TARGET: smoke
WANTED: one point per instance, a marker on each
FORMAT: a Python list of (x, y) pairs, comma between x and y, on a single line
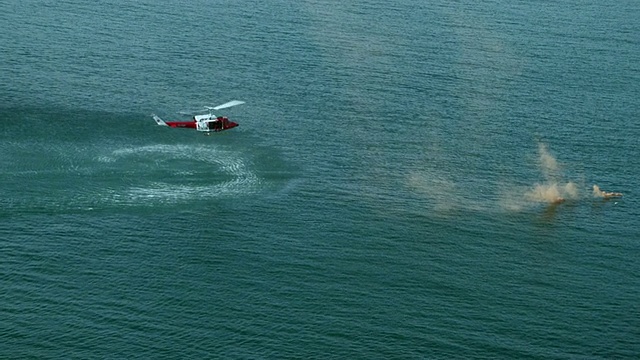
[(553, 193), (554, 190), (548, 164), (439, 189), (597, 192)]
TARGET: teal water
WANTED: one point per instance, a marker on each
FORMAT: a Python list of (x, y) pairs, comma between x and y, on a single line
[(386, 195)]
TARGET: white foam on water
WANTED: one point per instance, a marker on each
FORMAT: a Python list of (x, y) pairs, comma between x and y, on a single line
[(230, 164), (105, 159), (173, 150)]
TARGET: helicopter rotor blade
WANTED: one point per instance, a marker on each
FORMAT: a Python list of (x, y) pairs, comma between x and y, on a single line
[(191, 112), (226, 105)]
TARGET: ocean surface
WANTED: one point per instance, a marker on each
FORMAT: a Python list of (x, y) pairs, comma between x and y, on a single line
[(409, 179)]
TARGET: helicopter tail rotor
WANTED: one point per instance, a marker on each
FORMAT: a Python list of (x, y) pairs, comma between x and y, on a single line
[(158, 120)]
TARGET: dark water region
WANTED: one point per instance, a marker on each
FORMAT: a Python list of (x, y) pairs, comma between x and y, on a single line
[(407, 180)]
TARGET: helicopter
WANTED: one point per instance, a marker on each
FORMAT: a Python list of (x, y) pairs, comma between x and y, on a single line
[(206, 123)]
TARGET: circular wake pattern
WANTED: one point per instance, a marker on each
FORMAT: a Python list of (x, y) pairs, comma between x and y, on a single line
[(77, 178), (174, 173)]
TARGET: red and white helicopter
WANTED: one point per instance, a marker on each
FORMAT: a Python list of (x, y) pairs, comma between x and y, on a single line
[(206, 122)]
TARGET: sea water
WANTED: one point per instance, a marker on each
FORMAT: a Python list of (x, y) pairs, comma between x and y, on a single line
[(408, 180)]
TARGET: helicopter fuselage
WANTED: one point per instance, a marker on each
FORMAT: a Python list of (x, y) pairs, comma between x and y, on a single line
[(204, 122), (210, 124)]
